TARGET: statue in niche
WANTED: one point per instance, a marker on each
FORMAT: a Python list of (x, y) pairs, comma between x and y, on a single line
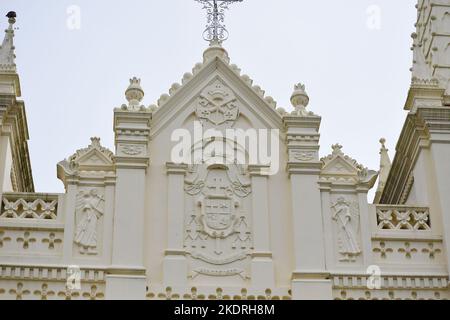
[(88, 207), (347, 218)]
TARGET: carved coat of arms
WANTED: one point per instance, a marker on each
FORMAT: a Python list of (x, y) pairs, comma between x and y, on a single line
[(218, 216), (217, 104)]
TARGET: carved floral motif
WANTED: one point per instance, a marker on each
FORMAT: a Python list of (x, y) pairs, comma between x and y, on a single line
[(300, 155), (132, 150)]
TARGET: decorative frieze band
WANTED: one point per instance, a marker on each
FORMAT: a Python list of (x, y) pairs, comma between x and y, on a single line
[(391, 282), (10, 272)]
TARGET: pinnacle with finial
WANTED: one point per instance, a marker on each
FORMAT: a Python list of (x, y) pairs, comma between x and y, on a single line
[(7, 55), (385, 169)]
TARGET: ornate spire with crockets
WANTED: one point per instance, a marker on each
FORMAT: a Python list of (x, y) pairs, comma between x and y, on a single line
[(7, 56), (216, 31)]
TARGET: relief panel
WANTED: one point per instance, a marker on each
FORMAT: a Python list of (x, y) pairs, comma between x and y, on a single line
[(218, 236)]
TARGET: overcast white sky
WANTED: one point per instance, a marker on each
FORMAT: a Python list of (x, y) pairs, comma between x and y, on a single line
[(357, 77)]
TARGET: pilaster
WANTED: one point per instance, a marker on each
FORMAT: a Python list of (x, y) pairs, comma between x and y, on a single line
[(309, 279), (132, 130), (262, 273), (175, 266), (438, 126)]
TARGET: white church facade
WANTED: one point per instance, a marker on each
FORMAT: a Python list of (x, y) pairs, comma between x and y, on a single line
[(215, 193)]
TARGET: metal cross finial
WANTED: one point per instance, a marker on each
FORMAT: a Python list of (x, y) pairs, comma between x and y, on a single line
[(215, 29)]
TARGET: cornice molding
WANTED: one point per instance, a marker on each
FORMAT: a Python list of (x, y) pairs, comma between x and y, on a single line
[(419, 131)]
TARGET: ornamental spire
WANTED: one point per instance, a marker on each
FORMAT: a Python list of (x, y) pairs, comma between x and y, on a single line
[(216, 31), (7, 56)]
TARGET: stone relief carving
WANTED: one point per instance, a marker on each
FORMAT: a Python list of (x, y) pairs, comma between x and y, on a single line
[(217, 104), (132, 150), (219, 273), (346, 216), (31, 240), (52, 240), (3, 238), (302, 155), (26, 240), (431, 251), (95, 145), (51, 290), (217, 231), (89, 211), (383, 250), (195, 293), (19, 292)]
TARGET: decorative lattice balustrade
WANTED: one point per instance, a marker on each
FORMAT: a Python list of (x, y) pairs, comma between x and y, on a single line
[(403, 236), (403, 218), (29, 206), (30, 226)]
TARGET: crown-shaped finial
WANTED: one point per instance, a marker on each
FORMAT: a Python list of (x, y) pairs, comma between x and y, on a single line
[(299, 87), (95, 142), (337, 149), (134, 95), (300, 101)]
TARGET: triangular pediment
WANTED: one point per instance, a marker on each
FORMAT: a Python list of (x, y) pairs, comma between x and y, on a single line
[(341, 169), (94, 158), (192, 90), (339, 166)]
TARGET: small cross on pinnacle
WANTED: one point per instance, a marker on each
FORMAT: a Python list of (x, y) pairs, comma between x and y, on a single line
[(216, 31)]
